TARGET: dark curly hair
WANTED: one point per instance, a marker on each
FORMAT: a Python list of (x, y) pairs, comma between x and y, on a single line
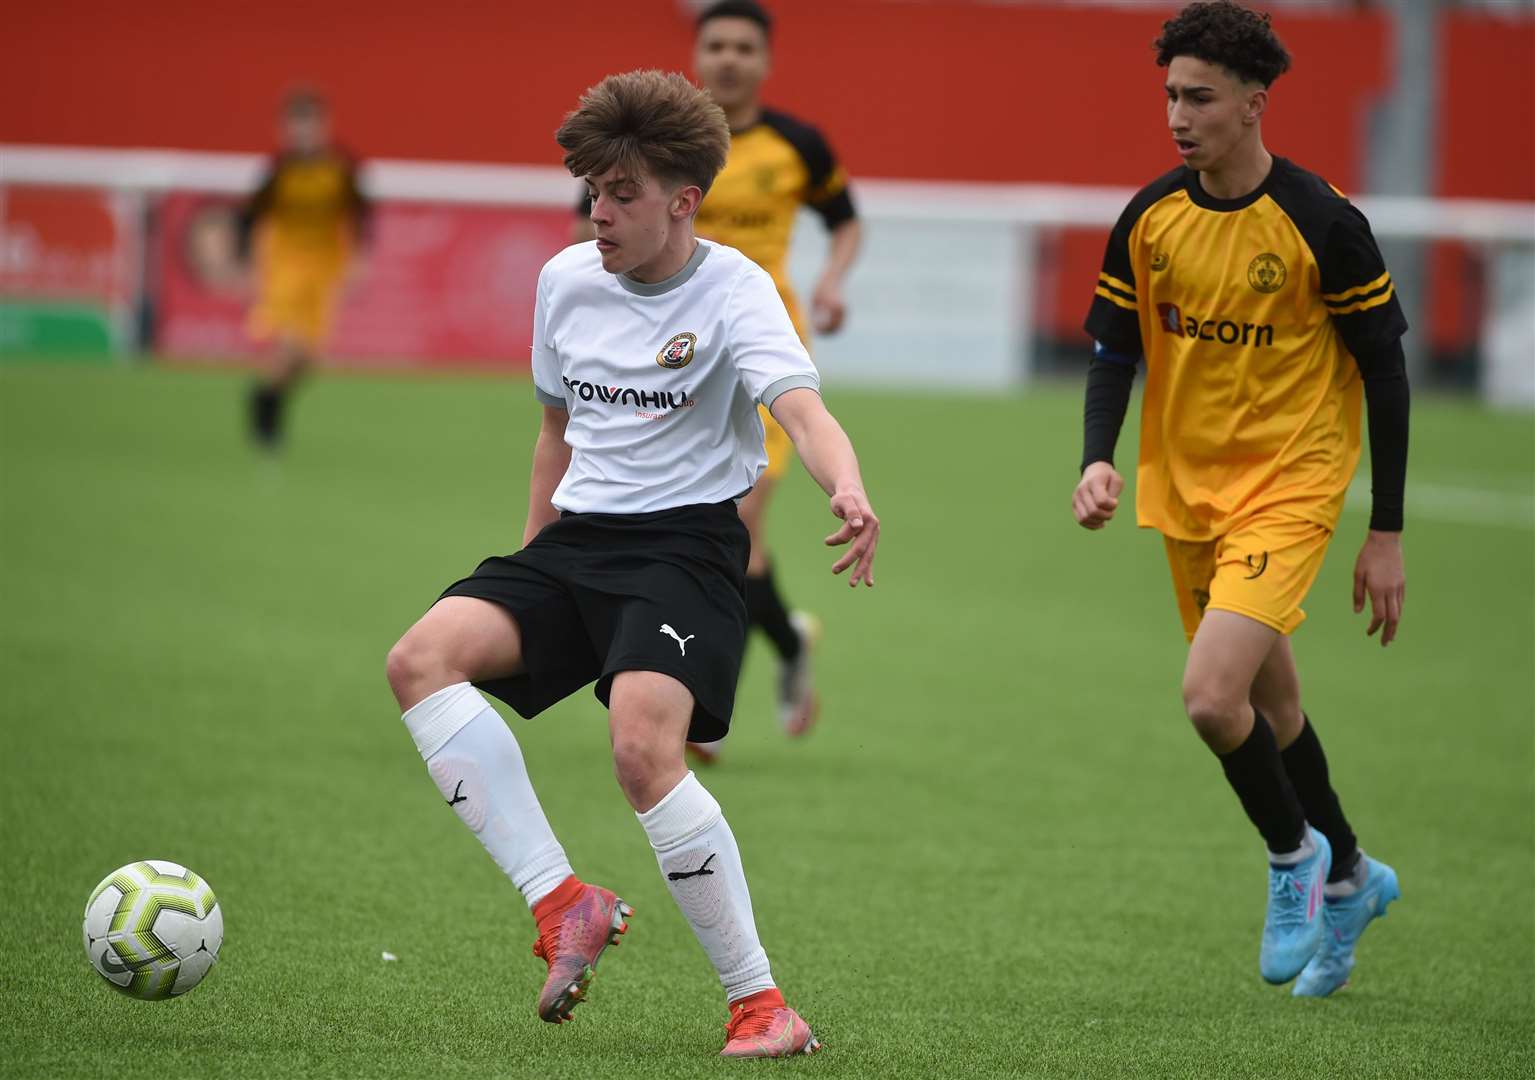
[(1221, 32)]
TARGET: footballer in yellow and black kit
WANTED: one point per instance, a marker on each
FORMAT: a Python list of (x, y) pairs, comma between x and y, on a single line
[(775, 166), (302, 229), (302, 226), (1262, 320)]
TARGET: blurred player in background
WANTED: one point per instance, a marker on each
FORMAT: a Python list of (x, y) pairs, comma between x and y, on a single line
[(302, 227), (1258, 298), (777, 164)]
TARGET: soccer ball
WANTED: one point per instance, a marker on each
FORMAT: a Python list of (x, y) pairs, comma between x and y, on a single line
[(153, 929)]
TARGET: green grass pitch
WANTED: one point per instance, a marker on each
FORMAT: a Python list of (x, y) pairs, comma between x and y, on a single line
[(1003, 853)]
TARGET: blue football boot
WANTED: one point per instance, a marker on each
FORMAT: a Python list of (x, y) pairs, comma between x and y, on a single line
[(1345, 918), (1293, 928)]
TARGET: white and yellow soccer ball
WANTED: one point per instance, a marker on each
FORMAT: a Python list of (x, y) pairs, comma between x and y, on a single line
[(153, 929)]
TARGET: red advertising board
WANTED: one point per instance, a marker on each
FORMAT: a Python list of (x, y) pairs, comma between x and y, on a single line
[(440, 285), (63, 244), (68, 264)]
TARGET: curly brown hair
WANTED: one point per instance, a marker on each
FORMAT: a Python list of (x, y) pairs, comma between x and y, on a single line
[(1225, 33), (650, 121)]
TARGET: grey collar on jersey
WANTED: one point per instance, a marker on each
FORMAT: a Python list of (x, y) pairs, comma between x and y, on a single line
[(680, 278)]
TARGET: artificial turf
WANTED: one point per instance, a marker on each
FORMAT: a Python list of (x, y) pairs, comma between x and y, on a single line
[(1002, 853)]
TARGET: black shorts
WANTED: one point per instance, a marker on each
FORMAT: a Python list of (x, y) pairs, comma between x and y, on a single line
[(597, 594)]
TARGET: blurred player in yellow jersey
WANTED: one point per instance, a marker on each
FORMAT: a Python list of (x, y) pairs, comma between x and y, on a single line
[(302, 227), (777, 164)]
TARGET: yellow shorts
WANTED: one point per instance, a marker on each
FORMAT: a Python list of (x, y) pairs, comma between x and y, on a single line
[(297, 299), (1262, 568), (780, 448)]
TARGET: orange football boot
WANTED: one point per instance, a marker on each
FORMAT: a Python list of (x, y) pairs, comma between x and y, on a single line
[(575, 923), (763, 1026)]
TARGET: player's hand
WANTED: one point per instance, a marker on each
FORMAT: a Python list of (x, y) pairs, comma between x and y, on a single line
[(861, 527), (828, 309), (1378, 573), (1097, 495)]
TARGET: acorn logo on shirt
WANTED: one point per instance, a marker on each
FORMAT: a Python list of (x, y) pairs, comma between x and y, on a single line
[(677, 352), (1175, 321)]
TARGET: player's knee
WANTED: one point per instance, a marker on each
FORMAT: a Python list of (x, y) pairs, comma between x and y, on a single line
[(1214, 713), (414, 669), (643, 753), (640, 767)]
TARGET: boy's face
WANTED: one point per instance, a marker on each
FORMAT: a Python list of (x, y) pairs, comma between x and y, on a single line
[(635, 215), (306, 131), (730, 58), (1209, 110)]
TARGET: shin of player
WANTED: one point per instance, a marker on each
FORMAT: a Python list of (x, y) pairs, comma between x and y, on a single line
[(1255, 367)]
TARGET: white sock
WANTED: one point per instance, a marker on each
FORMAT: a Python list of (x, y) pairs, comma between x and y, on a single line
[(478, 767), (702, 867)]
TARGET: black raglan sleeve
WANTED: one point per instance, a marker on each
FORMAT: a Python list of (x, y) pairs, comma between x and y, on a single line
[(1361, 298), (1114, 320), (358, 204), (1356, 286), (827, 191), (256, 207)]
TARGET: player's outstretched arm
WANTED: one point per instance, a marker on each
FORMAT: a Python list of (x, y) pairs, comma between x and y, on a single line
[(551, 457), (828, 456)]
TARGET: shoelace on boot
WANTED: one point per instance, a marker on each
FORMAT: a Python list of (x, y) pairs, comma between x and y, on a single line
[(747, 1023)]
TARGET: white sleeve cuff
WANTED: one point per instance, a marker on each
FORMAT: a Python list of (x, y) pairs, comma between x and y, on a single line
[(556, 401)]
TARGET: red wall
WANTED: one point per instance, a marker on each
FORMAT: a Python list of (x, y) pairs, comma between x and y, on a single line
[(1486, 149), (932, 89), (922, 89)]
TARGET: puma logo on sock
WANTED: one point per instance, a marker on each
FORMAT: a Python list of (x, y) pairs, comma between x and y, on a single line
[(700, 872)]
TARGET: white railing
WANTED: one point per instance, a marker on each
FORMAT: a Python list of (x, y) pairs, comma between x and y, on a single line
[(945, 290)]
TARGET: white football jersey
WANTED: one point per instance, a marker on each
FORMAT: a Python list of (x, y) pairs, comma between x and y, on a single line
[(662, 381)]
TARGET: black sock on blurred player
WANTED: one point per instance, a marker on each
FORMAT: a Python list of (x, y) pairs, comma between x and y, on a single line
[(1257, 774), (1306, 765), (266, 405), (764, 608)]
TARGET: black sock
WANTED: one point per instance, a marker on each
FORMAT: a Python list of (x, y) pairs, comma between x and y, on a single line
[(1257, 774), (765, 608), (266, 405), (1307, 768)]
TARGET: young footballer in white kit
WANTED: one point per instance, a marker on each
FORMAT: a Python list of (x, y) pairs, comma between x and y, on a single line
[(651, 352)]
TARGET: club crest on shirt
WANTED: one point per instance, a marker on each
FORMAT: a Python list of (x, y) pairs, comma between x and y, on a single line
[(1159, 260), (1266, 273), (678, 351)]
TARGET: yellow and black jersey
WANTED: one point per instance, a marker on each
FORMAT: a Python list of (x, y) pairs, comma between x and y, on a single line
[(309, 206), (1247, 312)]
